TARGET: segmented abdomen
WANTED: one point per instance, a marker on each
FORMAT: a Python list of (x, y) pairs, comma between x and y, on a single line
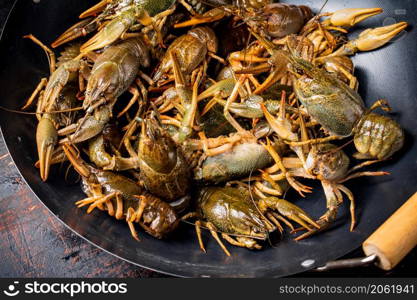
[(378, 136)]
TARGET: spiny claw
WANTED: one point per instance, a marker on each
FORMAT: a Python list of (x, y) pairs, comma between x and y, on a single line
[(46, 139), (288, 210), (352, 16), (80, 29), (282, 127), (374, 38), (213, 15), (57, 81), (58, 156), (74, 157), (333, 201), (89, 126), (110, 33), (96, 9), (371, 39), (222, 89)]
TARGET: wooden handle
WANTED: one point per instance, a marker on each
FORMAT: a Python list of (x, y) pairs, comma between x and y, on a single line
[(396, 237)]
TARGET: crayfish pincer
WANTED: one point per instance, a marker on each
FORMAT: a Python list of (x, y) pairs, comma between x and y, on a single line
[(240, 219), (123, 199), (163, 167)]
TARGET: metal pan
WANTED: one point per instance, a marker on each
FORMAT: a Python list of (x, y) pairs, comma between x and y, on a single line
[(389, 72)]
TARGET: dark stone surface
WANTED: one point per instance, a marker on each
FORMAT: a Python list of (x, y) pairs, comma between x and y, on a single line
[(33, 243)]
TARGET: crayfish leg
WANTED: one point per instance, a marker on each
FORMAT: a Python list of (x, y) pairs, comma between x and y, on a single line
[(46, 139), (232, 98), (49, 53), (197, 226), (210, 226), (119, 207), (86, 201), (213, 231), (285, 221), (42, 84), (141, 208), (199, 236), (274, 220), (102, 201), (315, 141), (135, 96), (130, 216), (232, 241)]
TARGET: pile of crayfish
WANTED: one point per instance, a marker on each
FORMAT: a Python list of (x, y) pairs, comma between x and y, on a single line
[(208, 112)]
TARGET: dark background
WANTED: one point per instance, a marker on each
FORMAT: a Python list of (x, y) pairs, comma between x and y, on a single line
[(33, 243)]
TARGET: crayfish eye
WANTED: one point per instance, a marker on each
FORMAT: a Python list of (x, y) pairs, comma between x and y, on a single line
[(111, 88)]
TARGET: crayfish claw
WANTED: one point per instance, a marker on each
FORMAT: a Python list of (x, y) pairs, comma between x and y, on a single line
[(295, 213), (110, 33), (352, 16), (46, 140), (89, 126), (78, 30), (323, 224), (96, 9), (375, 38), (371, 39), (213, 15), (289, 211)]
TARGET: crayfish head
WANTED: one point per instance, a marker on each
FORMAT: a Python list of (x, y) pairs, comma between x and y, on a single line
[(104, 83), (156, 147), (232, 212), (249, 223)]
